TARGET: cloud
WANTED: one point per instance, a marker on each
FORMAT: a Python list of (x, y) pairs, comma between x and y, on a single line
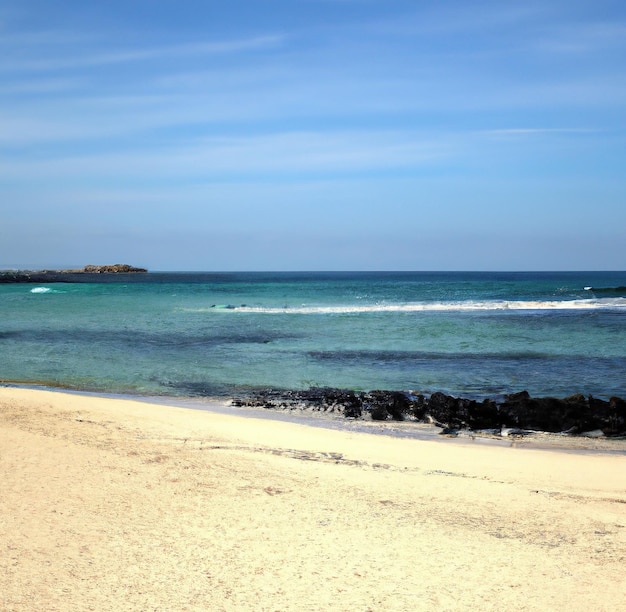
[(300, 156), (285, 153), (85, 60), (580, 38), (350, 81), (247, 101), (457, 18), (40, 86), (536, 131), (42, 38)]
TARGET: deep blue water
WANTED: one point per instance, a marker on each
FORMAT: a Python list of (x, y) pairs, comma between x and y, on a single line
[(189, 334)]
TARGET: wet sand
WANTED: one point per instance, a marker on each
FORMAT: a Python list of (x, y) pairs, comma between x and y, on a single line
[(114, 504)]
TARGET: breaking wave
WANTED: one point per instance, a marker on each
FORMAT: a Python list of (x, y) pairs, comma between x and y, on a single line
[(618, 304), (614, 290)]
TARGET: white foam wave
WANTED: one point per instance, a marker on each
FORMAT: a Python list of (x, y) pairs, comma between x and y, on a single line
[(469, 306), (41, 290)]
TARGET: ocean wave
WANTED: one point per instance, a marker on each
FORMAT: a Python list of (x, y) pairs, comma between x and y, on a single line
[(621, 289), (42, 290), (618, 304)]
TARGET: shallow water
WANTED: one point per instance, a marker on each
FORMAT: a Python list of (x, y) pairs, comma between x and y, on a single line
[(190, 334)]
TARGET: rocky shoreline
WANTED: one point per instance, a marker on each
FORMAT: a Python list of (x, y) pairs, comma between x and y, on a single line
[(86, 274), (515, 414)]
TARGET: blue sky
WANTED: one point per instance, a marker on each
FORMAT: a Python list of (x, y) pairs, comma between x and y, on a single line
[(313, 134)]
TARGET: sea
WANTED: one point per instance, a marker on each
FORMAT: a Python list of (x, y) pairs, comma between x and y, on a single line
[(220, 335)]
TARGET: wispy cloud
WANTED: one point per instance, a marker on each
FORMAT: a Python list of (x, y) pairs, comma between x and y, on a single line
[(173, 108), (40, 86), (144, 53), (454, 19), (24, 39), (537, 131), (300, 155), (579, 38), (278, 154)]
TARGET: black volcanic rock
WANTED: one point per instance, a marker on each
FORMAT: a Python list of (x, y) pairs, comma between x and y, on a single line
[(542, 414), (385, 404), (379, 413), (609, 416), (575, 414)]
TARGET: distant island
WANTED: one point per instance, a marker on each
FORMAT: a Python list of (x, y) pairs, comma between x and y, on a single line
[(70, 275), (112, 269)]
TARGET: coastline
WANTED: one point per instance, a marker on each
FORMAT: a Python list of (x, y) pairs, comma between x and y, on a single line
[(288, 406), (333, 418), (124, 504)]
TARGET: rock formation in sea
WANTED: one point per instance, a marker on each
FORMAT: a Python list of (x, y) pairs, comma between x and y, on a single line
[(85, 274), (112, 269)]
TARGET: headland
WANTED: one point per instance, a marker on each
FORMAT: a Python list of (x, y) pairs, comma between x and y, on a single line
[(88, 273)]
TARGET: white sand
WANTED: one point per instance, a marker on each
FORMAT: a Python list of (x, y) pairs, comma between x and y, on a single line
[(122, 505)]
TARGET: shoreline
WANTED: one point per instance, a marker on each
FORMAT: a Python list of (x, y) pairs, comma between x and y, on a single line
[(123, 504), (408, 429)]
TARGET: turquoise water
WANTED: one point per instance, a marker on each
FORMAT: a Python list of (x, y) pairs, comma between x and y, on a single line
[(471, 334)]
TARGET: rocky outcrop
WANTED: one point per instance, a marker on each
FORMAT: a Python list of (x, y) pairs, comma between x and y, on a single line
[(574, 415), (112, 269), (461, 413), (87, 274)]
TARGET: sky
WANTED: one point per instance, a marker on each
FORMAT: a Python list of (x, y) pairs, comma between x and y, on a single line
[(313, 134)]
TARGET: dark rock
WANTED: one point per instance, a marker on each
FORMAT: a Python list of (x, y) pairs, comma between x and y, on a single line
[(519, 412), (573, 414), (542, 414), (400, 406), (418, 406), (396, 404), (609, 416), (352, 407), (448, 411), (617, 418), (379, 413), (462, 413), (441, 407), (483, 415), (517, 397)]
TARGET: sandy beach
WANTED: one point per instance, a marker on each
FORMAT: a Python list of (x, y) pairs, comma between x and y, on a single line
[(113, 504)]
